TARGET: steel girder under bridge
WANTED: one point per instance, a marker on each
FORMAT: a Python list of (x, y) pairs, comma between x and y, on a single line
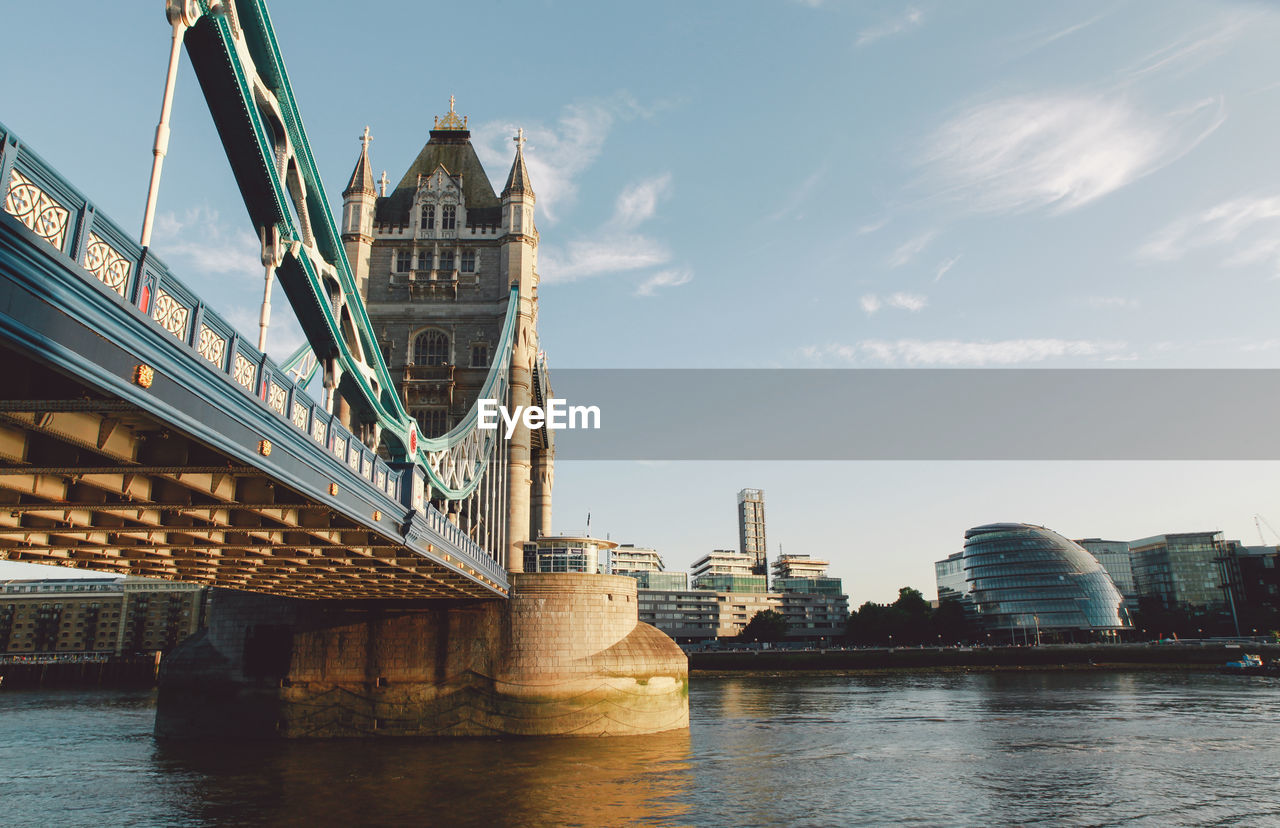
[(140, 433)]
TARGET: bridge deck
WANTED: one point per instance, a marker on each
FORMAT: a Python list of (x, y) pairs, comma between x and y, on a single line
[(126, 445)]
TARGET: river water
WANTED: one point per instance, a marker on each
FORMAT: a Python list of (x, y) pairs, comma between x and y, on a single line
[(985, 749)]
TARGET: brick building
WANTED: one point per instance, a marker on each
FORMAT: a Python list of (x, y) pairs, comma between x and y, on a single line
[(115, 616)]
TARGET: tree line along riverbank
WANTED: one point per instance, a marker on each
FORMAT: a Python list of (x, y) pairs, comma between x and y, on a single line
[(1191, 656)]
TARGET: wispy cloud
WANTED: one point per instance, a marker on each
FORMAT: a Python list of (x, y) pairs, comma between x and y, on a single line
[(953, 353), (792, 207), (199, 240), (1034, 41), (872, 227), (908, 250), (1242, 231), (907, 301), (902, 301), (944, 266), (664, 279), (1195, 47), (1058, 151), (557, 154), (638, 202), (617, 245), (904, 22), (585, 258)]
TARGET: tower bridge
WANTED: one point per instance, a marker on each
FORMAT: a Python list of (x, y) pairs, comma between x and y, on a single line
[(370, 543)]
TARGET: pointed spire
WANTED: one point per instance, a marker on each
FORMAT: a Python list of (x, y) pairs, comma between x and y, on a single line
[(362, 176), (518, 179)]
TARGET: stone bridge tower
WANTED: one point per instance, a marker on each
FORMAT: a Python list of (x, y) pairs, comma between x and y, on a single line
[(435, 259)]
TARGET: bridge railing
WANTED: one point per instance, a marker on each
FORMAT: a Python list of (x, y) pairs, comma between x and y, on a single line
[(462, 545), (65, 224)]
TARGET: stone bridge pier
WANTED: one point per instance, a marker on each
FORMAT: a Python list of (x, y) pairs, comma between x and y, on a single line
[(565, 655)]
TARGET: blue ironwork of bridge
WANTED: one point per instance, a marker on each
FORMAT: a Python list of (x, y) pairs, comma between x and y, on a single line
[(141, 433)]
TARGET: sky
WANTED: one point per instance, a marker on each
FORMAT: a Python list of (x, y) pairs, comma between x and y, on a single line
[(783, 184)]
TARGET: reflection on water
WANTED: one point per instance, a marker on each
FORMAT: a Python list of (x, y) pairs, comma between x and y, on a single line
[(1075, 749), (465, 782)]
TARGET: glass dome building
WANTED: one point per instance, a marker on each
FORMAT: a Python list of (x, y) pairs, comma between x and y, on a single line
[(1029, 581)]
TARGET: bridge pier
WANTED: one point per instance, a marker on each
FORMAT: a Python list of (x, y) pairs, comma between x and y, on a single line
[(565, 655)]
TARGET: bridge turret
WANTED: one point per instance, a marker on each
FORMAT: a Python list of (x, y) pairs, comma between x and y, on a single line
[(358, 201), (520, 264)]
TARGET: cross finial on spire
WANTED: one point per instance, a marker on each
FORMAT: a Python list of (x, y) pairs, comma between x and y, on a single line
[(450, 119), (365, 138), (519, 139)]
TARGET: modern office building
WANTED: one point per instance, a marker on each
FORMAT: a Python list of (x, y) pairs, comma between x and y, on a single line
[(724, 570), (1181, 571), (751, 536), (569, 553), (105, 615), (800, 566), (802, 574), (629, 558), (1253, 576), (814, 603), (646, 566), (949, 573), (1114, 557), (660, 580), (697, 615), (1029, 583), (726, 595)]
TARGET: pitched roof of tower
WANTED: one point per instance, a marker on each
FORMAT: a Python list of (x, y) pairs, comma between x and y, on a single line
[(449, 146), (518, 178), (362, 176)]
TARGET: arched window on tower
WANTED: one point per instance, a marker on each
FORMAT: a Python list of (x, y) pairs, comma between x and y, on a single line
[(428, 216), (431, 348), (448, 217), (468, 261)]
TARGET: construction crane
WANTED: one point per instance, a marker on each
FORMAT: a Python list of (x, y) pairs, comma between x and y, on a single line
[(1259, 521)]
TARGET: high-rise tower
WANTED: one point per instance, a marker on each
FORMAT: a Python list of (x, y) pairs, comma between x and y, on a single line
[(751, 537)]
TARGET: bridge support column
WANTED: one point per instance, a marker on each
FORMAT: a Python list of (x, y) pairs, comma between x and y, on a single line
[(518, 470), (544, 472), (564, 656)]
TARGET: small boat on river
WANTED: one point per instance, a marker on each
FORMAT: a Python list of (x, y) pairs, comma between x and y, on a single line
[(1250, 665)]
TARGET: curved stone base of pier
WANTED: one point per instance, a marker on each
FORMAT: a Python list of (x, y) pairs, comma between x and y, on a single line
[(565, 655)]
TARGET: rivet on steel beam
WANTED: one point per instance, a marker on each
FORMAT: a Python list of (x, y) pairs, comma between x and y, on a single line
[(377, 514), (333, 488), (144, 375), (264, 448)]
